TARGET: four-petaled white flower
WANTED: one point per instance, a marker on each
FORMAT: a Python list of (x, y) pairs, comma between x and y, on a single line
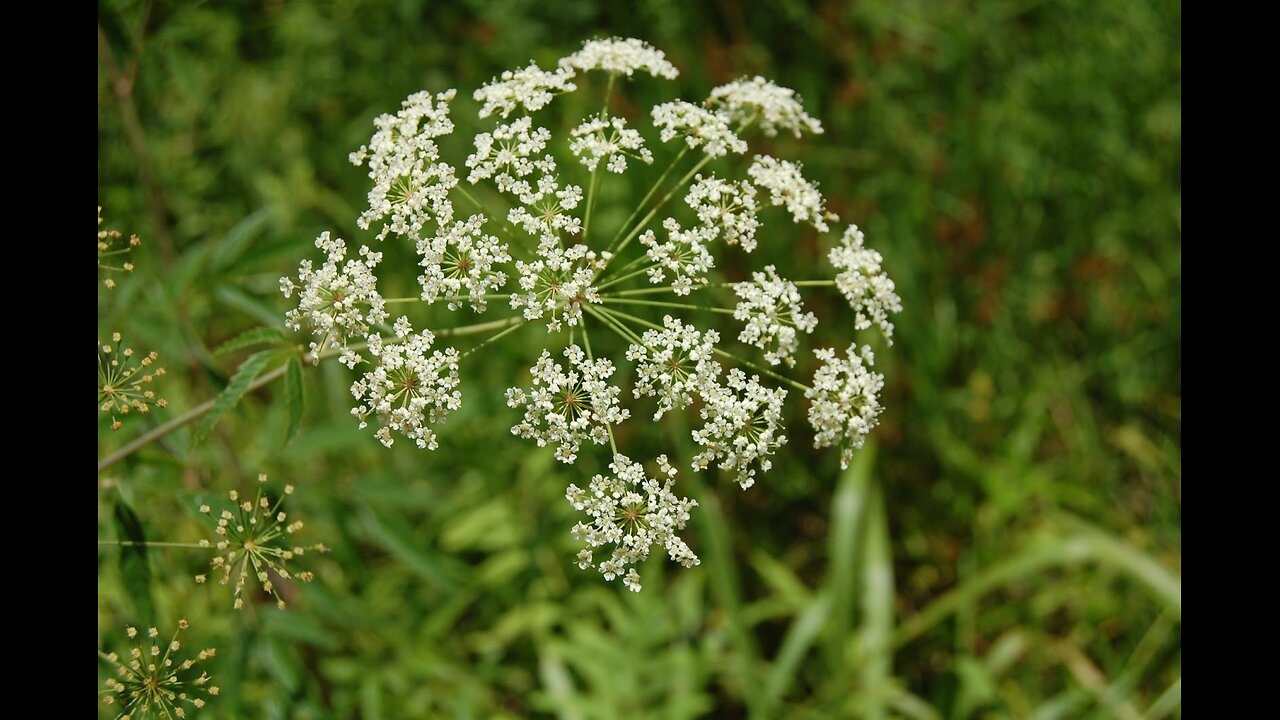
[(762, 101), (743, 427), (675, 364), (788, 187), (844, 400), (564, 408), (632, 512), (410, 388), (863, 282), (771, 308)]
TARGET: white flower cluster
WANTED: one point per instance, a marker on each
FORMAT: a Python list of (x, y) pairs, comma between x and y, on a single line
[(675, 364), (727, 207), (759, 100), (700, 128), (530, 89), (556, 285), (339, 300), (610, 140), (743, 426), (410, 183), (863, 282), (771, 308), (632, 512), (844, 400), (547, 209), (685, 255), (566, 407), (410, 388), (621, 56), (788, 187), (508, 153), (461, 263)]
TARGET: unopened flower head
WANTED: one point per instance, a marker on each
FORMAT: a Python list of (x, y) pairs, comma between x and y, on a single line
[(774, 315), (337, 301), (764, 102), (863, 282), (787, 187), (844, 400), (675, 364), (726, 207), (742, 428), (154, 679), (529, 89), (699, 127), (610, 140), (410, 388), (621, 56), (113, 252), (410, 184), (631, 512), (564, 408), (461, 263), (254, 539), (125, 379)]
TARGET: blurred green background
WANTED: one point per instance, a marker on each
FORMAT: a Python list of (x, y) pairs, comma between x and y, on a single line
[(1010, 546)]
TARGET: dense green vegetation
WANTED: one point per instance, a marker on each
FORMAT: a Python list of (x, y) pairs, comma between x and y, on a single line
[(1010, 546)]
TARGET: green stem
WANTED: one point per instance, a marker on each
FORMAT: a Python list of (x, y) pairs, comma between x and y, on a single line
[(659, 303), (625, 268), (619, 279), (200, 410), (131, 543), (493, 339), (622, 330), (591, 201), (635, 231), (729, 356), (661, 178), (586, 341)]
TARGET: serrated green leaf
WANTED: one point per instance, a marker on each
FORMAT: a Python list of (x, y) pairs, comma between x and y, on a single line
[(250, 338), (135, 571), (295, 397), (251, 368)]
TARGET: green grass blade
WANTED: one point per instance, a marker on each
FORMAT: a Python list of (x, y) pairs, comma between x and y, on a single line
[(799, 639), (877, 609)]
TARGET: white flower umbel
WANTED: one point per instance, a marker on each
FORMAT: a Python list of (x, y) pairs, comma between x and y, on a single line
[(621, 56), (410, 388), (556, 286), (863, 282), (762, 101), (727, 207), (564, 408), (699, 127), (339, 300), (632, 512), (787, 187), (410, 184), (770, 306), (844, 400), (529, 89), (610, 140), (675, 364), (742, 427), (509, 152), (684, 255), (547, 209), (459, 264)]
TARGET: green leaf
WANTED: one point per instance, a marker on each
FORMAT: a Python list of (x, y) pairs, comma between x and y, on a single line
[(295, 397), (251, 368), (250, 338), (135, 571)]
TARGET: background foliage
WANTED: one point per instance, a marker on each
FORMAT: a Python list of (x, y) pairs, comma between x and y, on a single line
[(1010, 548)]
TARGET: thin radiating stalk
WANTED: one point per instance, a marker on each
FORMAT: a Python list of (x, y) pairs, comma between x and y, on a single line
[(200, 410), (586, 342), (628, 276), (635, 231), (627, 223), (659, 303)]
